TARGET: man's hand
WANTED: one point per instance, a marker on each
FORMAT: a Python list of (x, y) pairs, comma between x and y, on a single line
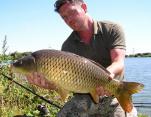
[(102, 92), (39, 80)]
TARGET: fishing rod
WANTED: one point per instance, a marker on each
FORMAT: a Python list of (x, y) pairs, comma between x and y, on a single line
[(41, 97), (142, 105)]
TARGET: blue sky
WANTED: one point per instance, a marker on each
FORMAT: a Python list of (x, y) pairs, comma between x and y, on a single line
[(32, 24)]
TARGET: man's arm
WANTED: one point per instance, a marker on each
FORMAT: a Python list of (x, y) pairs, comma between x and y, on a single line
[(117, 66)]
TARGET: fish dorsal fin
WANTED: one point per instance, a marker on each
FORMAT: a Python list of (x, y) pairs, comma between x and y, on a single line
[(96, 63), (78, 56), (99, 65)]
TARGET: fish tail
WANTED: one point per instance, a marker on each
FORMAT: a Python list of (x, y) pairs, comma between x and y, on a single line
[(124, 93)]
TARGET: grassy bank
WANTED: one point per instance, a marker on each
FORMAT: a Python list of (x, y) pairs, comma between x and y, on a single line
[(15, 100)]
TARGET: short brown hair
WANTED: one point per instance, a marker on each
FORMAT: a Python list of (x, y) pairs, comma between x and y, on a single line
[(59, 3)]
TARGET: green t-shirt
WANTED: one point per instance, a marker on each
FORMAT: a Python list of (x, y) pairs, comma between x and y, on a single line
[(107, 35)]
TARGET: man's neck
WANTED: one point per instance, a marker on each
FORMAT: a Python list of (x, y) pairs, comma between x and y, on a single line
[(86, 35)]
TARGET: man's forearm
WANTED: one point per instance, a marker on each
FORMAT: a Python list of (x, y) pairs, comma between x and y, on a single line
[(116, 68)]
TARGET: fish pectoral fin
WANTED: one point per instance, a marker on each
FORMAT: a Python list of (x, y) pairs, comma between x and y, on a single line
[(95, 96), (63, 93), (124, 94)]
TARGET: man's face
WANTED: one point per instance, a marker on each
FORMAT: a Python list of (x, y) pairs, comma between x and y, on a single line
[(74, 16)]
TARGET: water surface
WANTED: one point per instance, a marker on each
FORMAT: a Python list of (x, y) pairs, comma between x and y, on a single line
[(139, 70)]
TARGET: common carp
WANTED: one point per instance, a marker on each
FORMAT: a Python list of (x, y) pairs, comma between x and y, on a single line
[(71, 72)]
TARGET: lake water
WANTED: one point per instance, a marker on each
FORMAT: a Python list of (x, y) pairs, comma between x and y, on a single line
[(139, 70)]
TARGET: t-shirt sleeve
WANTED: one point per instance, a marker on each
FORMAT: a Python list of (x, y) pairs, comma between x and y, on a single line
[(117, 37)]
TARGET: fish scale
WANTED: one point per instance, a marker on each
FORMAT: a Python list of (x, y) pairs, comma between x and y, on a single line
[(74, 72)]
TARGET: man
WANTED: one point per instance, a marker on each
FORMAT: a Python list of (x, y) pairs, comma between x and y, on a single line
[(102, 42)]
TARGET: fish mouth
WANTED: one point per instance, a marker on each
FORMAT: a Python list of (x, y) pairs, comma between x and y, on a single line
[(14, 72)]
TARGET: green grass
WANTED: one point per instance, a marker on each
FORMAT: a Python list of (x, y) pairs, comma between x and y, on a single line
[(142, 115)]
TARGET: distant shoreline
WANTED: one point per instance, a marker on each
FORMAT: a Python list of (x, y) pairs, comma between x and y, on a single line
[(17, 55), (139, 55)]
